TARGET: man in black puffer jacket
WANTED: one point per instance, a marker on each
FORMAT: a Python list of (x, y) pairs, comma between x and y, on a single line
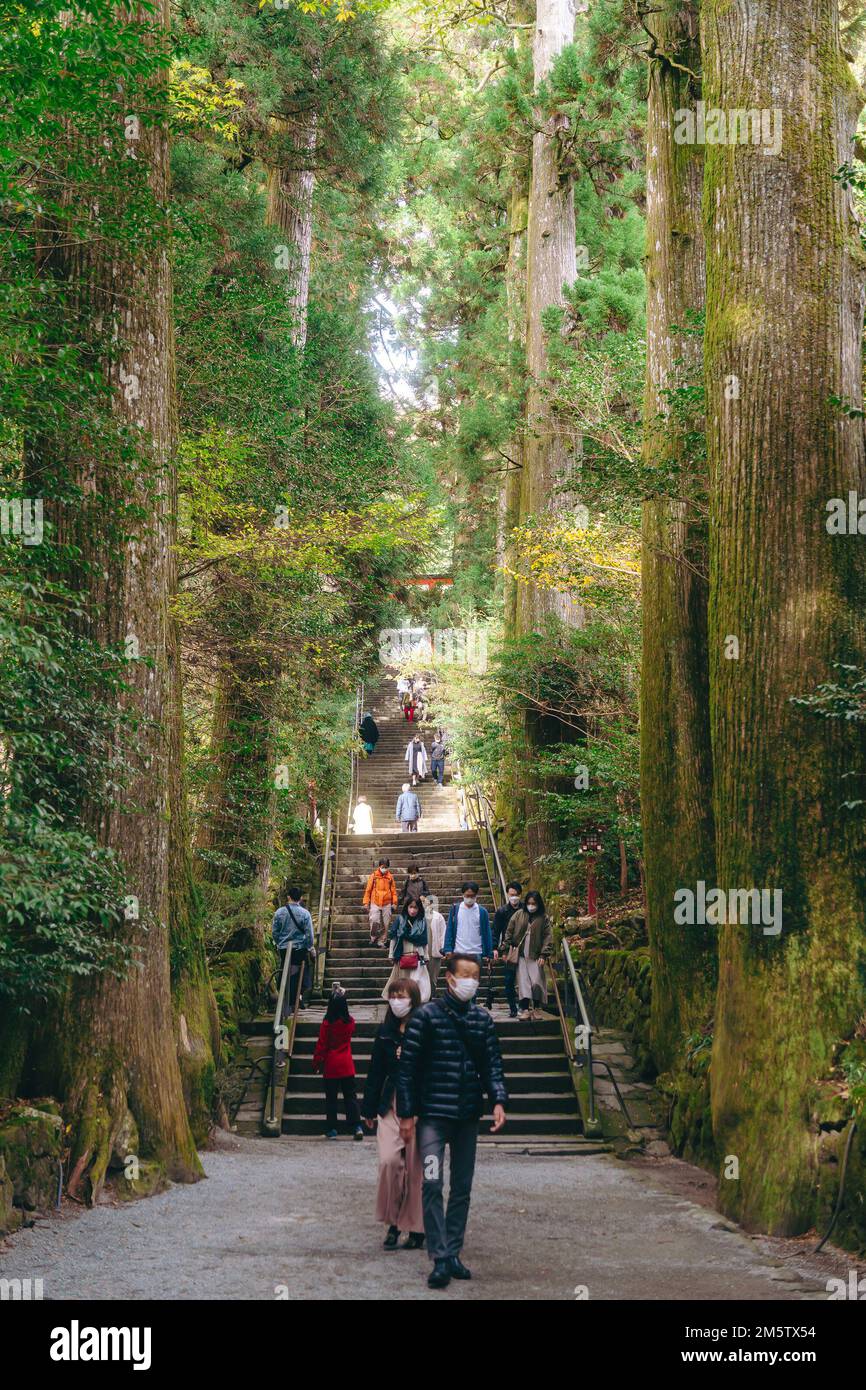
[(450, 1056)]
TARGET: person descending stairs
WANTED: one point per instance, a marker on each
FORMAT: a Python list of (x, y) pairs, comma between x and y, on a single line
[(542, 1096)]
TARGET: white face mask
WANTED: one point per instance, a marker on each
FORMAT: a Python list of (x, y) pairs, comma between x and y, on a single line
[(469, 902), (465, 988), (513, 899), (531, 907), (400, 1007)]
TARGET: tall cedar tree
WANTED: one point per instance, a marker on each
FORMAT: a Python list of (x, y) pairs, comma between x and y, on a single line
[(108, 1051), (676, 767), (785, 293)]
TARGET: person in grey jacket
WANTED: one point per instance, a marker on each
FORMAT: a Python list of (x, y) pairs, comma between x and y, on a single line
[(293, 925), (438, 754), (408, 808)]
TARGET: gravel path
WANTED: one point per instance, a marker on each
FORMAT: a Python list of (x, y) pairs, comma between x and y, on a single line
[(297, 1213)]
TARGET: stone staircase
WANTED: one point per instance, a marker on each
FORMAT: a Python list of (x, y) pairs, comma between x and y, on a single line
[(542, 1100), (382, 774), (543, 1103), (446, 858)]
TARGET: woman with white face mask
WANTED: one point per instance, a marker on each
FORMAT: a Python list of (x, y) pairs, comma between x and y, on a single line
[(501, 918), (527, 943), (398, 1197), (407, 936)]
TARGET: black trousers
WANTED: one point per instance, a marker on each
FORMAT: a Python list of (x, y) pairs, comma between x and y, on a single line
[(350, 1100), (445, 1229), (300, 970), (510, 980)]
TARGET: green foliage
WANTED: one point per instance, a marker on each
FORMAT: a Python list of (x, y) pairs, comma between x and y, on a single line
[(297, 514), (844, 700), (68, 184)]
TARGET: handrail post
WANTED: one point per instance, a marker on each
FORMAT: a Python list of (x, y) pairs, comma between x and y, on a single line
[(271, 1118), (581, 1010)]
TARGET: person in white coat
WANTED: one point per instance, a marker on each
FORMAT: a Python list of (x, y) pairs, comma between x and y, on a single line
[(416, 757), (435, 937), (362, 817)]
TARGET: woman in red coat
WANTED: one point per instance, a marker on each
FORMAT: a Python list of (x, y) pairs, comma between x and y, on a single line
[(333, 1057)]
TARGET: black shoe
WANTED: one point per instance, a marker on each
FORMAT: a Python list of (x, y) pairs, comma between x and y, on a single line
[(359, 1132), (440, 1275), (414, 1241), (459, 1270), (390, 1241)]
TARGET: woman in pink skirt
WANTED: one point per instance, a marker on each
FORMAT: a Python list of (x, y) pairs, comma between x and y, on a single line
[(398, 1199)]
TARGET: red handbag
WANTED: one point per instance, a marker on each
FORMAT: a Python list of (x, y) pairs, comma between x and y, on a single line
[(410, 961)]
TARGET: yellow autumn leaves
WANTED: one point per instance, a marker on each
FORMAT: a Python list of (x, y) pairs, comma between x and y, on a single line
[(197, 100), (568, 553)]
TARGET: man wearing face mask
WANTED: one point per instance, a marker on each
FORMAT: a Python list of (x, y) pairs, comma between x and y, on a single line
[(449, 1059), (468, 931), (501, 919)]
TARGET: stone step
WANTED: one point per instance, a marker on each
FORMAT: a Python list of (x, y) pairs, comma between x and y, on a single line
[(521, 1104), (536, 1124), (519, 1083), (527, 1049), (507, 1030), (516, 1065)]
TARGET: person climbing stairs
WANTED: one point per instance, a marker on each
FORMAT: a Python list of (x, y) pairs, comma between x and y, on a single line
[(543, 1102)]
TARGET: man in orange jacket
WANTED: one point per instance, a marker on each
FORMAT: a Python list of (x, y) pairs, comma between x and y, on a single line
[(380, 896)]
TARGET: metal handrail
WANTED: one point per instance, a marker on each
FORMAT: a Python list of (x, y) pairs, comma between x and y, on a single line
[(479, 805), (354, 779), (270, 1124), (326, 867), (326, 911), (586, 1028), (474, 807), (567, 1039), (484, 805)]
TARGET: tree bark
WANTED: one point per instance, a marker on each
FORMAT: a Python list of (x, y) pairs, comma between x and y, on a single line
[(551, 262), (676, 766), (785, 293), (239, 822), (515, 288), (197, 1031), (108, 1053), (290, 211)]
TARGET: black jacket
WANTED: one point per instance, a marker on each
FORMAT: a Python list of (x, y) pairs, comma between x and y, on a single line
[(384, 1065), (501, 917), (442, 1076), (368, 729)]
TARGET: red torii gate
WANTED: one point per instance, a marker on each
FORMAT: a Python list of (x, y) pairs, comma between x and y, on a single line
[(430, 581)]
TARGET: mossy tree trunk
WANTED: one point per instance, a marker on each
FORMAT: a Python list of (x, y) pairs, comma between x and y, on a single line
[(108, 1050), (195, 1012), (551, 262), (515, 289), (785, 293), (237, 830), (676, 769), (548, 454)]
